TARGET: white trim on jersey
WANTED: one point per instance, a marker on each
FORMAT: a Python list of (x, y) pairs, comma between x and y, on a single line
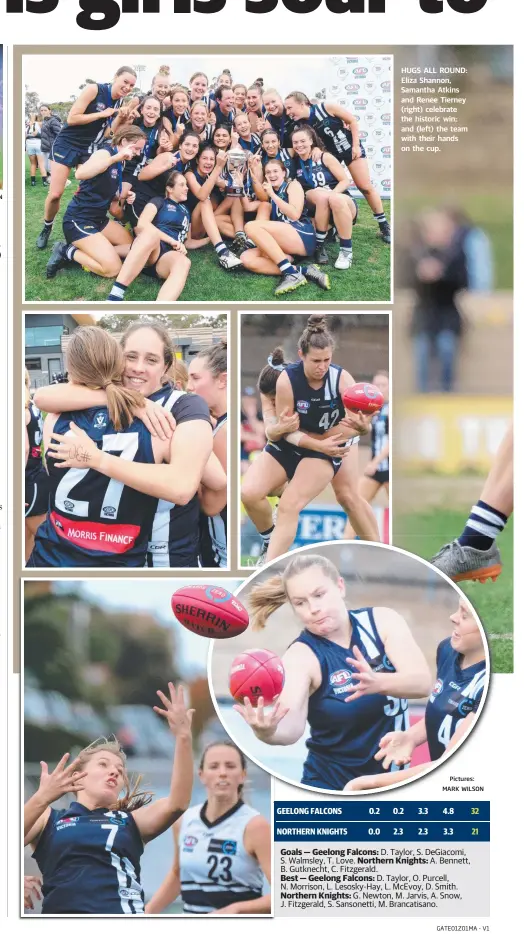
[(331, 384), (475, 686), (366, 633), (160, 531)]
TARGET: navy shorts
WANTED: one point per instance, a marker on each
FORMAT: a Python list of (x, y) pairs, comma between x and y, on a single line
[(347, 158), (307, 235), (37, 494), (381, 476), (151, 270), (286, 455), (80, 229), (64, 153)]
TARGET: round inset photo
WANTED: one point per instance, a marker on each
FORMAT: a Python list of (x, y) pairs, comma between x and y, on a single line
[(362, 667)]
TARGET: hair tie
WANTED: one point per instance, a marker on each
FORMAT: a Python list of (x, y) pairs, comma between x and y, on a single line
[(276, 366)]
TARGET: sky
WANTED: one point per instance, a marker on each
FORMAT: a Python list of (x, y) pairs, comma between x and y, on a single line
[(154, 596), (56, 78)]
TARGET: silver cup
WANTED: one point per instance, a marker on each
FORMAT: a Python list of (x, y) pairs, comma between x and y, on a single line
[(236, 166)]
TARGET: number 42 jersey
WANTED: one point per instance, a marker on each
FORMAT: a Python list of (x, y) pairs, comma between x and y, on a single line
[(318, 409), (215, 867), (92, 519)]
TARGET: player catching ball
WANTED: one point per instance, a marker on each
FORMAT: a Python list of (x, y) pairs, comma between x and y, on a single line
[(348, 675), (451, 710), (212, 877), (89, 852)]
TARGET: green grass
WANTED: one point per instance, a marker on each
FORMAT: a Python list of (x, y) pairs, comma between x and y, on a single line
[(367, 281), (424, 533)]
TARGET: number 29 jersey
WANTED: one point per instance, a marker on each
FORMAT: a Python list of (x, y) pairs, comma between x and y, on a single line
[(215, 867), (318, 409), (90, 862), (92, 519), (457, 692)]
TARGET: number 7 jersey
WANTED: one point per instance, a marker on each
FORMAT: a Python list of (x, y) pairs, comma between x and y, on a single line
[(215, 867), (93, 520)]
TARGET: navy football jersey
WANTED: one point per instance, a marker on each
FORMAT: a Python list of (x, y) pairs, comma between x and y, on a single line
[(172, 218), (90, 862), (337, 138), (225, 120), (345, 737), (94, 520), (251, 145), (213, 529), (89, 135), (457, 692), (379, 435), (283, 125), (35, 431), (313, 174), (174, 540), (278, 215), (318, 409), (282, 156), (94, 195), (135, 165)]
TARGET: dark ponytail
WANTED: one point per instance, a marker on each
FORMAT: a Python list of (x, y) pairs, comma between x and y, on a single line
[(315, 335)]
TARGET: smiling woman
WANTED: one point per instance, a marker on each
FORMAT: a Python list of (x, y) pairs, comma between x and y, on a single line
[(102, 832)]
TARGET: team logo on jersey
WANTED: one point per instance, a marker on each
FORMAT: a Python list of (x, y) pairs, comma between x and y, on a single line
[(229, 847), (69, 505), (387, 664), (465, 706), (438, 688), (66, 822), (109, 511), (100, 106), (340, 681), (100, 420), (189, 842), (114, 173), (303, 406)]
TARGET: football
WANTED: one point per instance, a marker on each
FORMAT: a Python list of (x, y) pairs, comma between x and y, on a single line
[(363, 397), (256, 673), (210, 611)]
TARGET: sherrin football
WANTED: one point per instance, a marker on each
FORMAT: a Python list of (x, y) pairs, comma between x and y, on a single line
[(256, 673), (363, 397), (209, 611)]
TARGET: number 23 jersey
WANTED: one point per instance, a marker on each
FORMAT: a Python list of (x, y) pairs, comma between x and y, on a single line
[(215, 867), (93, 519)]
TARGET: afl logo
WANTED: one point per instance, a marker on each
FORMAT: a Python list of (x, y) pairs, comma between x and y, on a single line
[(360, 72), (360, 102), (438, 688), (386, 87), (386, 184), (340, 678), (303, 406), (352, 88), (190, 841), (363, 134), (386, 118), (386, 152), (218, 594)]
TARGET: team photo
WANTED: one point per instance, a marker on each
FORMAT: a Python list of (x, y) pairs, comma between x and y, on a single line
[(154, 182), (314, 431), (128, 468)]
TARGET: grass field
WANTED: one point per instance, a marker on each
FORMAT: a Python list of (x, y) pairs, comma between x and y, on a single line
[(367, 281), (424, 533)]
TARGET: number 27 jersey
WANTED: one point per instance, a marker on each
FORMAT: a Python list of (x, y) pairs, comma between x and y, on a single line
[(92, 519)]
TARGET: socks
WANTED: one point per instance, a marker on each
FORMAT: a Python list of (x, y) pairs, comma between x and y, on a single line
[(33, 181), (380, 219), (482, 527), (287, 269), (320, 236), (48, 224), (265, 536), (346, 246), (220, 248), (117, 293), (70, 252)]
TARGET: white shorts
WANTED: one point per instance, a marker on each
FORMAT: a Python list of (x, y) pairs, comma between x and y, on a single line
[(33, 147)]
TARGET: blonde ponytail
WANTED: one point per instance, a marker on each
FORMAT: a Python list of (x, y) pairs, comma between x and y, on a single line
[(266, 598)]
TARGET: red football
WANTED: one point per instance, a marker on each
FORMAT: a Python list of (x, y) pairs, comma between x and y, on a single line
[(363, 397), (256, 673), (210, 611)]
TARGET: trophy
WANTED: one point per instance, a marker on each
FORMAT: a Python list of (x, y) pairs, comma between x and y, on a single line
[(236, 166)]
